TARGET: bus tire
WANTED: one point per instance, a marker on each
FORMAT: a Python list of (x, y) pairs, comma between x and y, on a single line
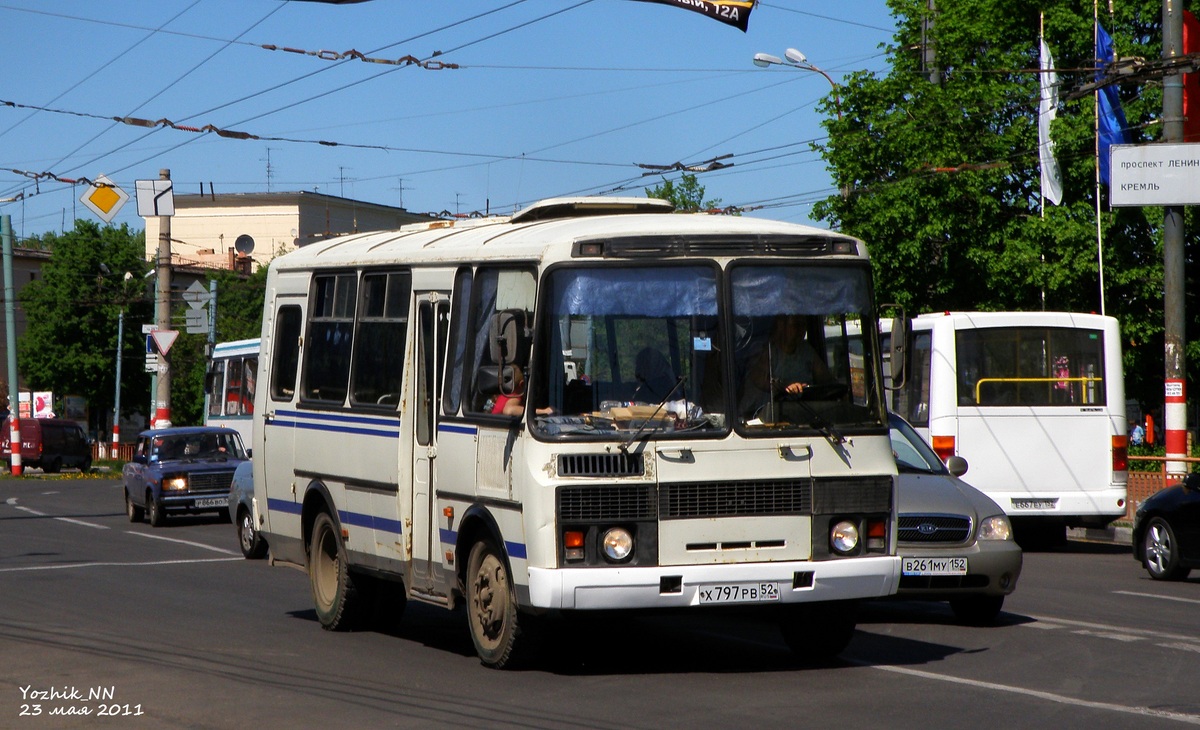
[(335, 595), (491, 606), (817, 632)]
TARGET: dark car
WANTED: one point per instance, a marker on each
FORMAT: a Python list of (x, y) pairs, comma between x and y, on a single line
[(1166, 531), (49, 443), (181, 470), (243, 513), (955, 543)]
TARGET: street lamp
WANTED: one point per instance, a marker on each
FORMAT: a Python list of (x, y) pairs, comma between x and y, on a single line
[(796, 59)]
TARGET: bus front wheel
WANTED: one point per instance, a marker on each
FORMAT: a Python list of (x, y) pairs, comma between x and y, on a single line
[(491, 606)]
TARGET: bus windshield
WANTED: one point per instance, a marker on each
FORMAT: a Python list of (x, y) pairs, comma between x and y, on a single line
[(655, 349)]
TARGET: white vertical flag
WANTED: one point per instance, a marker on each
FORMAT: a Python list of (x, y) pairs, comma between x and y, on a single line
[(1047, 111)]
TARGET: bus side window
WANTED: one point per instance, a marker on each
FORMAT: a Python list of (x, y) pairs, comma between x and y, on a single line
[(501, 316), (455, 372), (379, 339), (326, 372), (285, 352), (215, 387)]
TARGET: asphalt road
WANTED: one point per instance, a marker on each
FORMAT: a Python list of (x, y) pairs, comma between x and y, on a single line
[(124, 625)]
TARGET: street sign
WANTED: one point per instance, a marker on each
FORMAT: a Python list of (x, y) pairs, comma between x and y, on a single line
[(154, 197), (164, 339), (196, 322), (1155, 174), (151, 362), (196, 295), (104, 198)]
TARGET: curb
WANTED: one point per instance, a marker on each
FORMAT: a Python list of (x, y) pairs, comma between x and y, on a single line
[(1116, 535)]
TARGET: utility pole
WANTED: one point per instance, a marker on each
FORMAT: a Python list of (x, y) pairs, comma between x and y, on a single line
[(1175, 382), (162, 316), (14, 392)]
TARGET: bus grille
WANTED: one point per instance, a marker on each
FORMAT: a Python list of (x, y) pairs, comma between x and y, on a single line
[(933, 528), (600, 465), (735, 499), (838, 495), (210, 481), (608, 502)]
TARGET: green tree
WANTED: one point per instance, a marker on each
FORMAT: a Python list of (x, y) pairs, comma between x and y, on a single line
[(72, 311), (687, 195), (943, 175)]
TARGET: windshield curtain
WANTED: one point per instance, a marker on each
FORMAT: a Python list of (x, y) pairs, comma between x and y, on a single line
[(630, 348), (796, 343)]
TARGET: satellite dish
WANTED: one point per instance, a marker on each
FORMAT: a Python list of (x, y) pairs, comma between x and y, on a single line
[(244, 245)]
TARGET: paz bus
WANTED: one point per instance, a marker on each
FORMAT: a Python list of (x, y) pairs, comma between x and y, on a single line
[(545, 414), (229, 386), (1035, 402)]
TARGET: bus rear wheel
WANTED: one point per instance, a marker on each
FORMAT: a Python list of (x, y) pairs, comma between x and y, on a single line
[(491, 606), (817, 632), (335, 595)]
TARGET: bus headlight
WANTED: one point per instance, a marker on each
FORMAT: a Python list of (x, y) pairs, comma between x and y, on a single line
[(617, 544), (843, 538), (995, 528)]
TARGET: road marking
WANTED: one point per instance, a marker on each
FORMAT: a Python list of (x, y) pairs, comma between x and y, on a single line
[(183, 542), (118, 565), (1148, 633), (1040, 694), (1152, 595), (12, 502)]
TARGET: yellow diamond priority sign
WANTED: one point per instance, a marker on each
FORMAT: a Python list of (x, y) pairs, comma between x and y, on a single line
[(104, 198)]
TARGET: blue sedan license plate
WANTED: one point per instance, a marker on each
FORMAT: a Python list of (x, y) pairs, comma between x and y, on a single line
[(739, 593), (212, 502), (934, 566)]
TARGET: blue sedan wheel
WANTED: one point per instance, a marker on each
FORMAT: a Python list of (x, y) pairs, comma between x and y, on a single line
[(1161, 552)]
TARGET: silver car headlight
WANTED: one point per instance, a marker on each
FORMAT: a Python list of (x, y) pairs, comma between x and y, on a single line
[(995, 528)]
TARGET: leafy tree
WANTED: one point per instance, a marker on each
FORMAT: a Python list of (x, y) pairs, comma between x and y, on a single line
[(687, 196), (72, 310), (69, 345), (943, 175)]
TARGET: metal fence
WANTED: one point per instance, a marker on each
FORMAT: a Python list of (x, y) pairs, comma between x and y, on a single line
[(1142, 484)]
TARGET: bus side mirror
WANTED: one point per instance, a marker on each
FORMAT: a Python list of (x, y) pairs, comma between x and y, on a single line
[(898, 354)]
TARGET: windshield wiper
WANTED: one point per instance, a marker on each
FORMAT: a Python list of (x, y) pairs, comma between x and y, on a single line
[(624, 447), (817, 421)]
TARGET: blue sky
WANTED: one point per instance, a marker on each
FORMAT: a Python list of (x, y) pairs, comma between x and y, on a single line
[(549, 98)]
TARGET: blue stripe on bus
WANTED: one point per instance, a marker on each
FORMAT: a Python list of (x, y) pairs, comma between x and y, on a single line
[(358, 425), (514, 549), (450, 428), (282, 505), (357, 519)]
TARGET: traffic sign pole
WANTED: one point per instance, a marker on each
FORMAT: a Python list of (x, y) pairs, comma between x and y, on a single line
[(162, 318)]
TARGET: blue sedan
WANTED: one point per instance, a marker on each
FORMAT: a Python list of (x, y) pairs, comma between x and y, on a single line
[(181, 471)]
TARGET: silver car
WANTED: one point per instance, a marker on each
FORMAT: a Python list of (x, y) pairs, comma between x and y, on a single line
[(241, 511), (955, 543)]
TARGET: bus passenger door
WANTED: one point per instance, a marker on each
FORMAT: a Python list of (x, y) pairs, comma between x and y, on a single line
[(274, 433), (432, 318)]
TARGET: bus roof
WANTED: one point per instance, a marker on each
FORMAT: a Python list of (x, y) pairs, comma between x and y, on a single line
[(547, 229)]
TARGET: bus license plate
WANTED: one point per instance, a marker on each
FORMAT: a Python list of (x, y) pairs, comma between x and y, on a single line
[(934, 566), (212, 502), (739, 593)]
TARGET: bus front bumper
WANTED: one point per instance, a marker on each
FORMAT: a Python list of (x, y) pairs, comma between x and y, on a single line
[(679, 586)]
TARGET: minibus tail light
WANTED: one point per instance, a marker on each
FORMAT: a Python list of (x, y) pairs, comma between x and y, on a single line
[(944, 446), (1120, 453)]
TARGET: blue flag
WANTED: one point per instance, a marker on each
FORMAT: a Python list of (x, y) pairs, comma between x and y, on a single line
[(1110, 118)]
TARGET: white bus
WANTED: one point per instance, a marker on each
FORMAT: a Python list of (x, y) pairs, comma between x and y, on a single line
[(1035, 402), (229, 386), (631, 473)]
